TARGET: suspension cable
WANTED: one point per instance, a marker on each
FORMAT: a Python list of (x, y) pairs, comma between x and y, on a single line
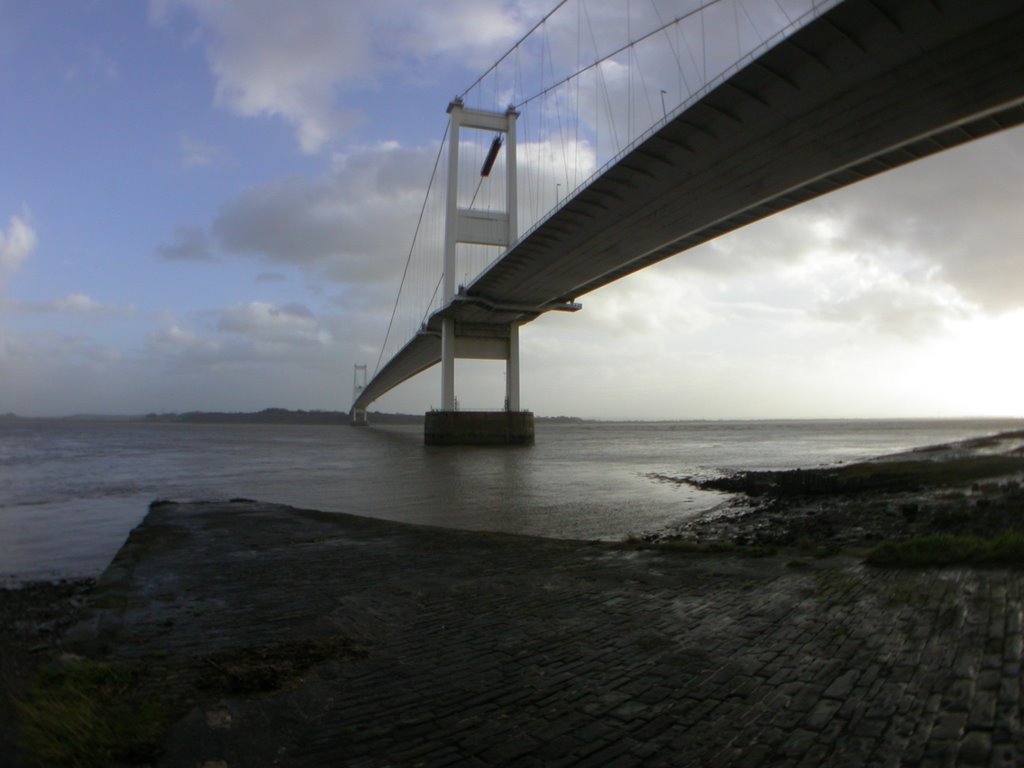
[(515, 47), (600, 80), (431, 302), (671, 47), (616, 52), (408, 260)]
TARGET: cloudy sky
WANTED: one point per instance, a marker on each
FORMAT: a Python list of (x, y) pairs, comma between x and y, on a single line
[(208, 205)]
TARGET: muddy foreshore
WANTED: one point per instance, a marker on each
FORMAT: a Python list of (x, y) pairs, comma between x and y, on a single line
[(974, 487)]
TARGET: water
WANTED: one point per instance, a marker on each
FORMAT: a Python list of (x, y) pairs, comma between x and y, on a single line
[(71, 491)]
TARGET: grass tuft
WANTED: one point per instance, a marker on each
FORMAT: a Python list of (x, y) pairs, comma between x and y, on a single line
[(84, 713), (1004, 550)]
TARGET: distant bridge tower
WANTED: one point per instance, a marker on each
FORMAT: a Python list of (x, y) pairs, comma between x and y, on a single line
[(358, 385), (484, 342)]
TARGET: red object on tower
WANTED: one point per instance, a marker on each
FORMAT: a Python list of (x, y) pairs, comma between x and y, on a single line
[(492, 155)]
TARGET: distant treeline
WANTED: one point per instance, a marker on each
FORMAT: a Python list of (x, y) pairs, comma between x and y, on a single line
[(266, 416), (284, 416), (280, 416)]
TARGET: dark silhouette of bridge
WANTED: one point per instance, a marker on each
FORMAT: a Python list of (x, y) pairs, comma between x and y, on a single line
[(855, 89)]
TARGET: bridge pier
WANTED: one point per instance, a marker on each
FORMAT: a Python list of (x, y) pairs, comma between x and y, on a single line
[(512, 372), (449, 426), (478, 428), (448, 364), (358, 385)]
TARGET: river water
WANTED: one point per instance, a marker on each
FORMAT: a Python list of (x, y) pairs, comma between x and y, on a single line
[(71, 491)]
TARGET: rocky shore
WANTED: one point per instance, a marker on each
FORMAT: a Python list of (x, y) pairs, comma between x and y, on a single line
[(970, 488)]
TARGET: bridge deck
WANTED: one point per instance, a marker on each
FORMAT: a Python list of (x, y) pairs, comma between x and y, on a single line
[(866, 87)]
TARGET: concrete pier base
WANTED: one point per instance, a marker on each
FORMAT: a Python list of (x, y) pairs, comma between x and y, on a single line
[(478, 428), (359, 418)]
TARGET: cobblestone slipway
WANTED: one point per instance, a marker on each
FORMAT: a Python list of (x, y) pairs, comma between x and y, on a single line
[(487, 650)]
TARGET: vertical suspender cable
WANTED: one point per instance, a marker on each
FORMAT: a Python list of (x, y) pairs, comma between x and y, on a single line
[(408, 259)]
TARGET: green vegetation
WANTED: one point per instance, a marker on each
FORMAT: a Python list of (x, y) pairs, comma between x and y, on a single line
[(928, 473), (85, 713), (1004, 550), (279, 416), (82, 713), (868, 477)]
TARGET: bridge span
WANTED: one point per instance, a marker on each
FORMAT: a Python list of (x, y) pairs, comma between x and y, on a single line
[(863, 87)]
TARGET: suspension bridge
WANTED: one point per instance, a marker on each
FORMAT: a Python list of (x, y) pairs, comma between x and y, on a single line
[(614, 135)]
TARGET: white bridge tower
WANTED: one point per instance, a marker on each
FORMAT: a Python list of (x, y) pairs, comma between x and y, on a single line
[(496, 228), (358, 385)]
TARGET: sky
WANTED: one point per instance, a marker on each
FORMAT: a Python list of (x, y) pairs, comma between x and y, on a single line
[(208, 206)]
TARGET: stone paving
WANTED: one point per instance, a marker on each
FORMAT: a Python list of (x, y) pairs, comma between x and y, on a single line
[(485, 650)]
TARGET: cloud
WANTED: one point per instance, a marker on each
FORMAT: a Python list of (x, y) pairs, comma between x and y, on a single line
[(16, 244), (476, 31), (795, 273), (960, 212), (271, 277), (79, 303), (39, 364), (76, 302), (771, 243), (270, 59), (174, 337), (903, 254), (196, 153), (352, 225), (190, 244), (899, 310), (254, 333), (92, 65), (261, 321), (251, 336)]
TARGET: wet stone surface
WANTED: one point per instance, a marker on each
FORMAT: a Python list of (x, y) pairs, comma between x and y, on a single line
[(431, 647)]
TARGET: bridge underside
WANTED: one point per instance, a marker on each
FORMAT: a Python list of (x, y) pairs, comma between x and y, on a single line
[(868, 86)]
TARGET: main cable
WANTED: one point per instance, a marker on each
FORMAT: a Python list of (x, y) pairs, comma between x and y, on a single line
[(616, 52), (514, 48), (408, 260)]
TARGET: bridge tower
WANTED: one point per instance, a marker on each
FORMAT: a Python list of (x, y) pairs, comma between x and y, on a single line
[(358, 385), (450, 426)]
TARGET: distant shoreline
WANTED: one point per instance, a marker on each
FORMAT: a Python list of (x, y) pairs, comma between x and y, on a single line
[(266, 416), (285, 416)]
